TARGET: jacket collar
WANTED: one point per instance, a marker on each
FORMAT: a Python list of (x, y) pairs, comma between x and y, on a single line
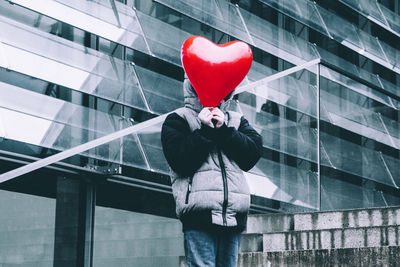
[(192, 101)]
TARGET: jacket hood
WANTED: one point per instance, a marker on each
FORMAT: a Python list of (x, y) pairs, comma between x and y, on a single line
[(192, 101)]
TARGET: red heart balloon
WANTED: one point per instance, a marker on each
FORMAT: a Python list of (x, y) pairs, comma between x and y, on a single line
[(215, 70)]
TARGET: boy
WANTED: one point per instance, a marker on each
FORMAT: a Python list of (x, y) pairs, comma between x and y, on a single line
[(208, 148)]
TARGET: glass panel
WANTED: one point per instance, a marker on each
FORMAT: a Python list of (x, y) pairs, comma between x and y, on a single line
[(322, 20), (310, 14), (392, 18), (281, 112), (259, 71), (353, 111), (89, 16), (356, 162), (59, 125), (26, 230), (150, 139), (296, 91), (223, 17), (353, 4), (345, 194), (393, 165), (392, 54), (355, 159), (283, 135), (278, 181), (269, 37), (141, 149), (92, 72), (158, 35), (368, 7), (346, 31), (371, 46), (371, 8), (303, 11), (390, 87), (93, 7), (392, 126), (163, 94), (125, 238), (114, 79), (53, 109), (284, 41), (362, 73)]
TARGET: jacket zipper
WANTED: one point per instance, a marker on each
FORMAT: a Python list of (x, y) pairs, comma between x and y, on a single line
[(225, 183), (189, 189)]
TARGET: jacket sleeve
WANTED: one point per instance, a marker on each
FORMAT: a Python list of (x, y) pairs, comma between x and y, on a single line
[(184, 150), (242, 146)]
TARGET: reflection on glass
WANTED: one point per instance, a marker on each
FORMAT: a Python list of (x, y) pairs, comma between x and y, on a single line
[(392, 18), (279, 133), (392, 54), (279, 181), (26, 230), (376, 12), (141, 150), (94, 73), (91, 17), (373, 47), (125, 238), (163, 94), (41, 106), (392, 165), (355, 159), (346, 31), (326, 22), (222, 16), (345, 194), (50, 133), (349, 101), (282, 112), (158, 35), (303, 10)]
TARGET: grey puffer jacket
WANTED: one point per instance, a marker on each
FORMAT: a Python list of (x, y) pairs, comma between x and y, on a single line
[(207, 164)]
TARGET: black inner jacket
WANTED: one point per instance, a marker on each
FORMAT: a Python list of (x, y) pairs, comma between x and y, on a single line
[(186, 151)]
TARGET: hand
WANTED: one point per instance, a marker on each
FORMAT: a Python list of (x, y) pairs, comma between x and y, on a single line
[(218, 116), (206, 117)]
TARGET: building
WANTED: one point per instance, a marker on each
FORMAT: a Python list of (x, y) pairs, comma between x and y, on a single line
[(73, 71)]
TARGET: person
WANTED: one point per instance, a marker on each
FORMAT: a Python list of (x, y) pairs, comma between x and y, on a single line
[(208, 148)]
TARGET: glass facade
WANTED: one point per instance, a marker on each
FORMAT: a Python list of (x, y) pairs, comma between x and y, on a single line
[(85, 85)]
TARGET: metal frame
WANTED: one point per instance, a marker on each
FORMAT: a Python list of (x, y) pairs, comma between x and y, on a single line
[(277, 75), (90, 207), (130, 130), (79, 149), (244, 24), (135, 128), (116, 14), (318, 137), (375, 58)]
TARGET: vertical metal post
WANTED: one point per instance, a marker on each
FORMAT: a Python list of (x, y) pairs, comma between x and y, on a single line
[(115, 10), (74, 225), (90, 205), (244, 24), (318, 137)]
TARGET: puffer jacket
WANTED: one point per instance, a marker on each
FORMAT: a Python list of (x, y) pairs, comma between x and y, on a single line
[(207, 164)]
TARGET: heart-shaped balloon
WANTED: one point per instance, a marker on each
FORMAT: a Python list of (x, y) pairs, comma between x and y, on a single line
[(215, 70)]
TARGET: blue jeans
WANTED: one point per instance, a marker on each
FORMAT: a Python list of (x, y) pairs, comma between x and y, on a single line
[(211, 249)]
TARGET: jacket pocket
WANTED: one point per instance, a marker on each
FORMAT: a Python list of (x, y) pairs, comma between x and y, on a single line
[(189, 188)]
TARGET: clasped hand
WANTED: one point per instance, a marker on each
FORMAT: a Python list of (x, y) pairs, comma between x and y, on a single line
[(209, 114)]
